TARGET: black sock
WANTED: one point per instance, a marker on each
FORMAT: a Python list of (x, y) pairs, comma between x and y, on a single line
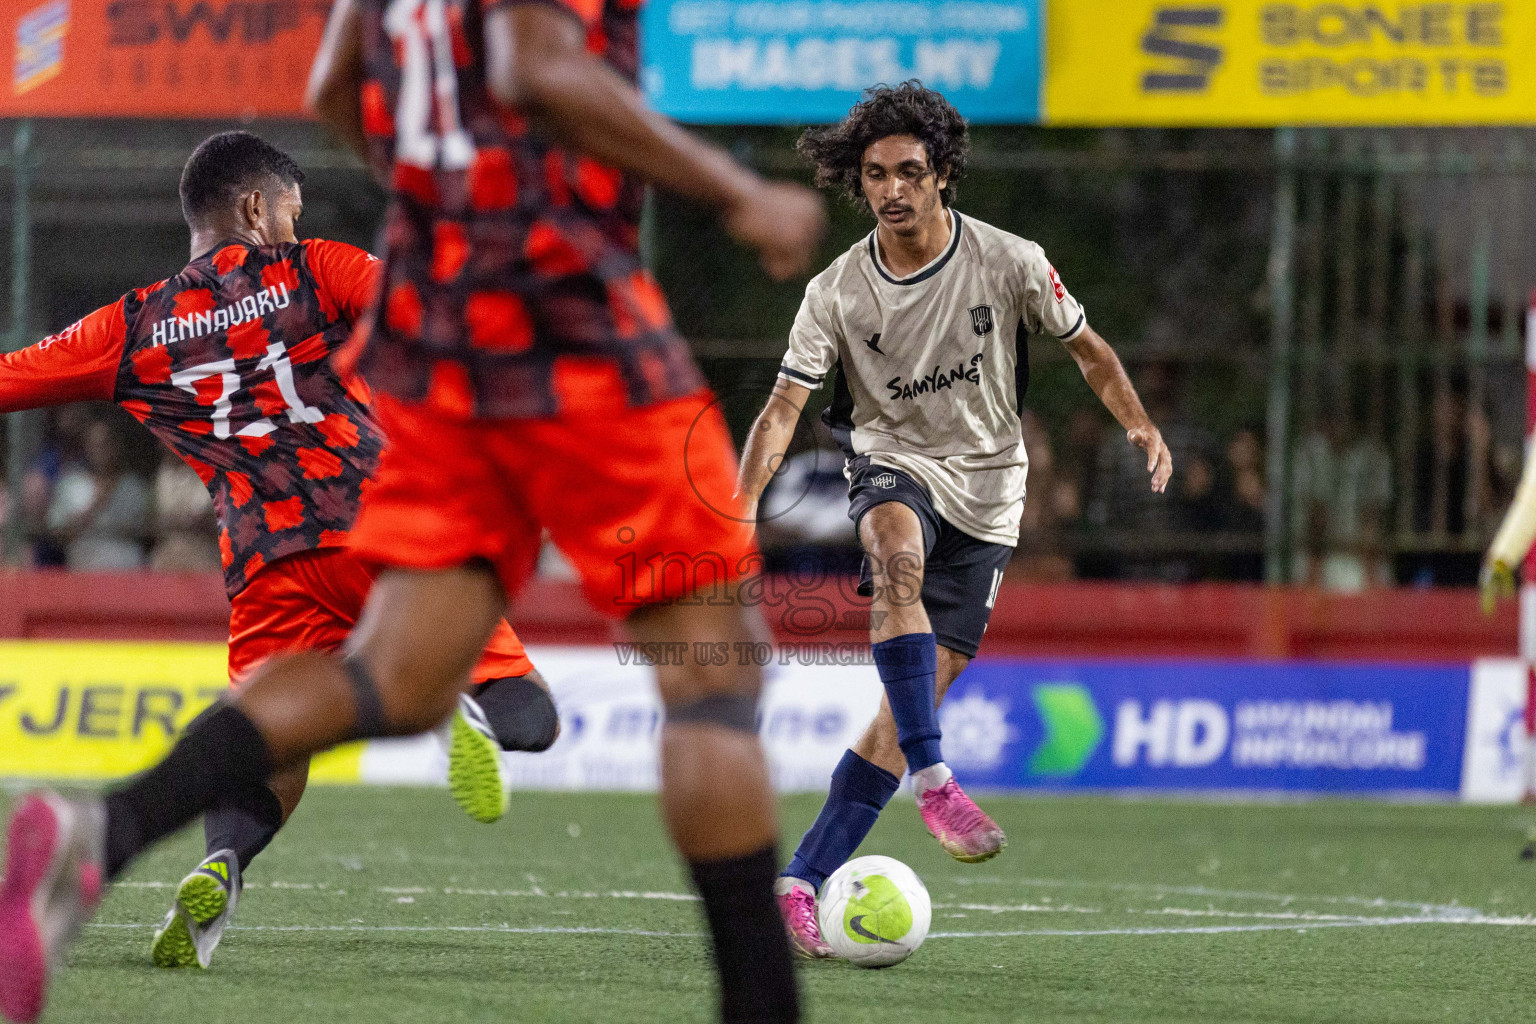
[(245, 824), (757, 977), (521, 714), (224, 753)]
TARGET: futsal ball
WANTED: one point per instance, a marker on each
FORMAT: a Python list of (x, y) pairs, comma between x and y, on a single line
[(874, 911)]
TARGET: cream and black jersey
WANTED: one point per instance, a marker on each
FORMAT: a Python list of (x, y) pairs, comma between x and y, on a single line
[(930, 369)]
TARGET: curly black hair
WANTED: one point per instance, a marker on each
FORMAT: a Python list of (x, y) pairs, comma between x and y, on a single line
[(837, 150), (226, 166)]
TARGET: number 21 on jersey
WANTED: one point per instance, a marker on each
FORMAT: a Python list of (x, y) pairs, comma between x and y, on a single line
[(428, 80), (224, 371)]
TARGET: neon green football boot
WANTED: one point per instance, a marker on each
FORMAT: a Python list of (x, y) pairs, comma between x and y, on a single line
[(205, 901), (475, 775)]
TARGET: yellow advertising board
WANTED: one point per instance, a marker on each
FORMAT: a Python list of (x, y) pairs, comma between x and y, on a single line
[(104, 710), (1258, 62)]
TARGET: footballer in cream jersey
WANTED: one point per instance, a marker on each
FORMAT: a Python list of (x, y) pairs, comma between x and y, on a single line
[(923, 328), (930, 369)]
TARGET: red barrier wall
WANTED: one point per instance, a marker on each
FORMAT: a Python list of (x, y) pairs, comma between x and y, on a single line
[(1068, 620)]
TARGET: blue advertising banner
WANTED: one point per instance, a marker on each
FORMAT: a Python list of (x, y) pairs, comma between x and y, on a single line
[(797, 61), (1208, 726)]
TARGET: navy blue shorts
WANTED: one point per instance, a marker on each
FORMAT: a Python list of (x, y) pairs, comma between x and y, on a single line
[(960, 573)]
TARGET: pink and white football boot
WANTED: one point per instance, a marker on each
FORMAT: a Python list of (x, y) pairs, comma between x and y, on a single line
[(963, 829), (53, 883), (797, 903)]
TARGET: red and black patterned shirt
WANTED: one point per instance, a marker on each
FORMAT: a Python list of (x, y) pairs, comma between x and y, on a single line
[(513, 285), (228, 363)]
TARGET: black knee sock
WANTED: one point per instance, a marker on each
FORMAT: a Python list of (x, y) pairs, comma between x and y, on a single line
[(245, 823), (225, 753), (521, 714), (757, 977)]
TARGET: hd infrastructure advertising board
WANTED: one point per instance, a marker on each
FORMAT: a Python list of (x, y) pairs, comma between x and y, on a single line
[(92, 711)]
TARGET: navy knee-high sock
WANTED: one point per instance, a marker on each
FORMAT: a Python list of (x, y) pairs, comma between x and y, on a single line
[(907, 666), (860, 790)]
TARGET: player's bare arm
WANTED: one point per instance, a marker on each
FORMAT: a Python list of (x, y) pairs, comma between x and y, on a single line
[(1513, 541), (1102, 370), (767, 442), (335, 82), (537, 61)]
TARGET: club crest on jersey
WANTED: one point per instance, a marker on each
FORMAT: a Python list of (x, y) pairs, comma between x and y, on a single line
[(981, 320), (885, 481), (1057, 287)]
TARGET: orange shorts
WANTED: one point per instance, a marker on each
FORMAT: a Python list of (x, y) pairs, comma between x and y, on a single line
[(640, 501), (310, 602)]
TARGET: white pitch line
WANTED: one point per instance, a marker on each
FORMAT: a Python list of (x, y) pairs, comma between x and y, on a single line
[(1200, 890), (416, 890), (1222, 929), (629, 894), (1428, 913), (1285, 915), (488, 928), (1364, 922), (1020, 908)]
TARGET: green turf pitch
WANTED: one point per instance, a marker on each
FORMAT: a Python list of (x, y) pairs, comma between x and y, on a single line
[(380, 906)]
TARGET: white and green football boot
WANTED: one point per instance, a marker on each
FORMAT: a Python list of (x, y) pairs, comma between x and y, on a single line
[(205, 901), (475, 775)]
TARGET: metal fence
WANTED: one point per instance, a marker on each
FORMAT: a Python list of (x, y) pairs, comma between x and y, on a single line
[(1408, 258), (1327, 322)]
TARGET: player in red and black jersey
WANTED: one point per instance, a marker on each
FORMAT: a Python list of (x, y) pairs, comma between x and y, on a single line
[(228, 363), (529, 378)]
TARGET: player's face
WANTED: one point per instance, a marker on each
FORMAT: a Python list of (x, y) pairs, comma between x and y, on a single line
[(901, 186), (282, 215)]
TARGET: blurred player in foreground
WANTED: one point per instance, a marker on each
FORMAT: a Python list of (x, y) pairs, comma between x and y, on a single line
[(924, 325), (228, 363), (528, 377)]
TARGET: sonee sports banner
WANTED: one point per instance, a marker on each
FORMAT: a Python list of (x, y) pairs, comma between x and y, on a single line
[(1267, 62)]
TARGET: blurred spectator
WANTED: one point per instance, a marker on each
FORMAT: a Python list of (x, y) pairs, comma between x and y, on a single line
[(61, 448), (1077, 460), (1341, 493), (1243, 506), (1123, 500), (1200, 504), (1246, 495), (1457, 457), (803, 516), (184, 520), (100, 511), (1050, 501)]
